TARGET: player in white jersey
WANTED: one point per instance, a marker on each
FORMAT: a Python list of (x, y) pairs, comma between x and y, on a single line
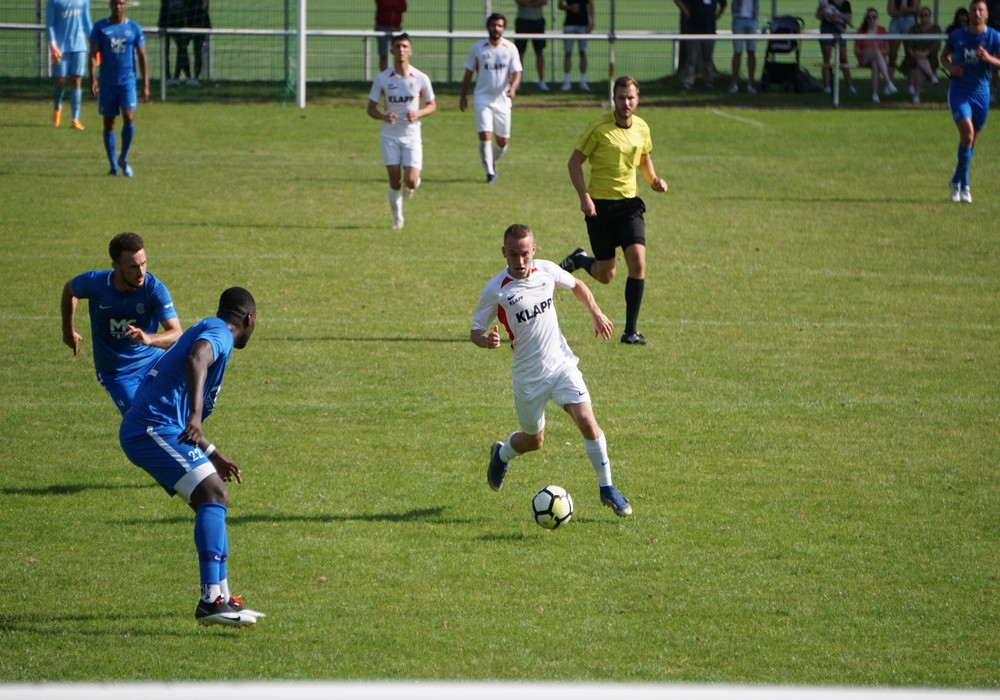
[(497, 66), (401, 89), (543, 367)]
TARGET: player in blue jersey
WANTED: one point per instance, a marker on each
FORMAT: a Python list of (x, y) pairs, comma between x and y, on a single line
[(127, 307), (163, 435), (119, 41), (970, 54), (68, 26)]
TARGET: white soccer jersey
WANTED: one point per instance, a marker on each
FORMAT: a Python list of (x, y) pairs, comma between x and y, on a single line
[(493, 66), (525, 309), (403, 93)]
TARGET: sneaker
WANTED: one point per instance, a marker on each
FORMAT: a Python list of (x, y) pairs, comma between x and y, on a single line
[(222, 613), (542, 86), (491, 179), (566, 86), (497, 469), (194, 82), (114, 173), (966, 195), (75, 124), (890, 89), (875, 99), (569, 262), (751, 89), (173, 82), (851, 90), (934, 80), (916, 99), (584, 86), (125, 168), (56, 117), (827, 90), (734, 88), (397, 223), (912, 90), (634, 338), (956, 192), (236, 603), (615, 501)]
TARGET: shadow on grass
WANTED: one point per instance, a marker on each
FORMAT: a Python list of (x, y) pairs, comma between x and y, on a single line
[(70, 489), (348, 339), (430, 515)]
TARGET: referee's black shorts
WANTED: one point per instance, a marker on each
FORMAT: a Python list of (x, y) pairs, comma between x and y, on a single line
[(618, 224)]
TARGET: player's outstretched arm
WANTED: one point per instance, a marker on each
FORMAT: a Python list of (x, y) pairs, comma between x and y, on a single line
[(602, 324), (483, 339), (68, 308)]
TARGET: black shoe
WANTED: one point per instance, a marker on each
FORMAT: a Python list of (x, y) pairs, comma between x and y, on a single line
[(569, 263), (491, 179), (497, 469), (633, 338), (222, 613)]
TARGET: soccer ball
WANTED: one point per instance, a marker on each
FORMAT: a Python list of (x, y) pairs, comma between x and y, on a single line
[(552, 506)]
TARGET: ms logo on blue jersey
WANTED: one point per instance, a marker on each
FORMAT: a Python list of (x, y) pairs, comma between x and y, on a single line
[(118, 44), (119, 329)]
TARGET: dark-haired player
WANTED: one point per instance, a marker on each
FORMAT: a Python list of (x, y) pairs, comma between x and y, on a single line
[(163, 435), (127, 307)]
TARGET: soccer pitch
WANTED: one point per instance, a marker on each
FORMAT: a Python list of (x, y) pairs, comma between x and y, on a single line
[(809, 440)]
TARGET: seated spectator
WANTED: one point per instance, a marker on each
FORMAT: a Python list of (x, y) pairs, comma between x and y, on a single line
[(871, 53), (921, 61), (961, 19)]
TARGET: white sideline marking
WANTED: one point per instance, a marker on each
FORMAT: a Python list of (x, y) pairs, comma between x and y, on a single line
[(742, 120)]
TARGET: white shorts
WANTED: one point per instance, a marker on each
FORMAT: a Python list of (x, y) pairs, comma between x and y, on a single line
[(404, 149), (493, 118), (564, 387)]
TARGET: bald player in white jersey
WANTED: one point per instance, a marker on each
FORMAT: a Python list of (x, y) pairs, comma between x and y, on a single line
[(401, 89), (543, 366), (497, 67)]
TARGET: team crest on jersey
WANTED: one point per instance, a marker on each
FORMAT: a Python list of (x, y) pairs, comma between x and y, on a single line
[(140, 309)]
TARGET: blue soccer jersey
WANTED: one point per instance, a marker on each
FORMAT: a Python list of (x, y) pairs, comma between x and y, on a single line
[(68, 24), (113, 311), (162, 397), (117, 44), (963, 44)]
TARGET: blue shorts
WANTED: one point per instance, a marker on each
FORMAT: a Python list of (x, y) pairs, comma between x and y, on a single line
[(744, 25), (113, 99), (568, 43), (71, 64), (156, 449), (827, 28), (965, 106), (121, 388)]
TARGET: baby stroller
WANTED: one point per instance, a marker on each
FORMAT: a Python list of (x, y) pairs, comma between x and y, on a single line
[(783, 75)]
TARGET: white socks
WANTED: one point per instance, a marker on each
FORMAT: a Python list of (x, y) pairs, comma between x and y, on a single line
[(507, 452), (497, 151), (486, 156), (597, 450)]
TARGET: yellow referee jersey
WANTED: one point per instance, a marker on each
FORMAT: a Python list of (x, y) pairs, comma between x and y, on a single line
[(614, 154)]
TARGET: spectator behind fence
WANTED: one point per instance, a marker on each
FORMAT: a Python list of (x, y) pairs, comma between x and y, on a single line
[(579, 20), (745, 21), (531, 20), (834, 16), (68, 26), (172, 17), (195, 17), (903, 17), (871, 53), (920, 62), (388, 20), (961, 19), (701, 16)]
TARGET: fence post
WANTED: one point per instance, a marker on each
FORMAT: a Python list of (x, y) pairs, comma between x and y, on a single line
[(301, 84)]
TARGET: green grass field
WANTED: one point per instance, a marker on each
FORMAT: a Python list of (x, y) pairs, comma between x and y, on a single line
[(809, 440)]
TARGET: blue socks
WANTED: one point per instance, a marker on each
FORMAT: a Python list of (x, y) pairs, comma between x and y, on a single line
[(210, 541), (57, 97), (127, 133), (109, 148), (962, 170), (74, 103)]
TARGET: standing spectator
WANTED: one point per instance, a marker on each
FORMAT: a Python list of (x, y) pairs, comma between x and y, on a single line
[(531, 20), (746, 20), (969, 55), (119, 41), (543, 366), (196, 17), (172, 17), (388, 20), (871, 53), (701, 17), (903, 16), (616, 144), (163, 435), (961, 19), (497, 66), (835, 16), (68, 25), (921, 60), (401, 89), (579, 20), (127, 307)]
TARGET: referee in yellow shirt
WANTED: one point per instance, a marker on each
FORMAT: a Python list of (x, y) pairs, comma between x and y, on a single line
[(616, 145)]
